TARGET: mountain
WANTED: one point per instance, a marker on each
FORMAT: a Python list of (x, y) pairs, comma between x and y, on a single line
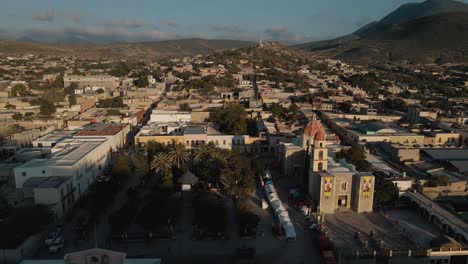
[(141, 50), (431, 31), (413, 11)]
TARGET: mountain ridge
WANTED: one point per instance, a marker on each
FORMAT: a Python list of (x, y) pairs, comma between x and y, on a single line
[(375, 38), (133, 50)]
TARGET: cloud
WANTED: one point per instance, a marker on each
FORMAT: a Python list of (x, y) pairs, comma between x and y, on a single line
[(123, 23), (169, 23), (96, 34), (44, 16), (228, 29), (363, 20), (283, 34), (74, 16)]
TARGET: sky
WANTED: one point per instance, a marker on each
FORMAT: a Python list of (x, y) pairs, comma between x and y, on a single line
[(287, 21)]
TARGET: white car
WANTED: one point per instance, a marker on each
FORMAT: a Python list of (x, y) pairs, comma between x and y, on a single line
[(50, 238), (58, 244)]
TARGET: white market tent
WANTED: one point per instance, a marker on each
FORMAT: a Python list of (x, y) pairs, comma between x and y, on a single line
[(279, 209)]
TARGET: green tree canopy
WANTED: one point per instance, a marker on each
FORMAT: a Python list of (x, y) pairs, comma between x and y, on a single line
[(19, 90), (232, 119)]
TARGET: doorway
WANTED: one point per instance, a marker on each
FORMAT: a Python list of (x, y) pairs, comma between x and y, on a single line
[(342, 200)]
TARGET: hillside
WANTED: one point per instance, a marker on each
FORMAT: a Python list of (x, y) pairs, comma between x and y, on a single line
[(413, 11), (432, 31), (143, 50), (438, 38)]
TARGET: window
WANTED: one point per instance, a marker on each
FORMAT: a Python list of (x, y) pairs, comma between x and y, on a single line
[(320, 155), (320, 166), (224, 142), (23, 174), (343, 186), (39, 145), (43, 172)]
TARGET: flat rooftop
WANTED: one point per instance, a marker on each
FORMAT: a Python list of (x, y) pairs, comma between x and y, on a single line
[(100, 129), (55, 136), (66, 155), (448, 154)]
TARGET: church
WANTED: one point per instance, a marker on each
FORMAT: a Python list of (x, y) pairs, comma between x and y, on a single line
[(333, 183)]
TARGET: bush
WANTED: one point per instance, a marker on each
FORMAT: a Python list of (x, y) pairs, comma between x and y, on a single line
[(22, 223), (160, 211), (123, 217), (210, 212), (247, 222)]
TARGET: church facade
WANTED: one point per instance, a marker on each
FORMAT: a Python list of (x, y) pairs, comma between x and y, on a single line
[(334, 183)]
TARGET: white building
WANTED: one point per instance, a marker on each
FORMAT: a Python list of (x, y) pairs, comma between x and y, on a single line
[(161, 116), (74, 163)]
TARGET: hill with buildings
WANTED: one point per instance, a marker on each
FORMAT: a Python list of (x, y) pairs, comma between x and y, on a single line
[(142, 50), (432, 31)]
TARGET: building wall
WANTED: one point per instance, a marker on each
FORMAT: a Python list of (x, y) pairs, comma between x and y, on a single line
[(105, 81), (363, 198), (407, 140), (170, 117)]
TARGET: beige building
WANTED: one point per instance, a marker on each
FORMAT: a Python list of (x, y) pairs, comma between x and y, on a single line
[(105, 81), (333, 183)]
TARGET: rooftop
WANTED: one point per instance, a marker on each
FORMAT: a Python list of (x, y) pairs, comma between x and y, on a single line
[(100, 129), (65, 155)]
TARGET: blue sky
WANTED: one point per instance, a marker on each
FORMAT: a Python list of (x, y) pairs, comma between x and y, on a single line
[(289, 21)]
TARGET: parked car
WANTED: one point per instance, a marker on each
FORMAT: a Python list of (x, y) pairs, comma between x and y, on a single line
[(58, 244), (51, 237)]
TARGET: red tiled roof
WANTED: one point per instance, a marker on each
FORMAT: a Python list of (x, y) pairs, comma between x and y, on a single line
[(106, 131)]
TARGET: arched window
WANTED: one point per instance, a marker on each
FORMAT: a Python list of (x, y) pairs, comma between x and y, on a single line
[(320, 156), (320, 166), (320, 144)]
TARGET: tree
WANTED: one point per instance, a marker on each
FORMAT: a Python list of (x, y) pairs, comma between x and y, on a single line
[(293, 110), (29, 115), (394, 104), (113, 112), (121, 168), (142, 81), (204, 152), (153, 147), (346, 107), (19, 90), (120, 70), (72, 99), (386, 193), (141, 165), (231, 120), (10, 106), (179, 155), (47, 107), (17, 116), (70, 89), (185, 107), (161, 162), (238, 178), (115, 102), (277, 110), (356, 157), (19, 225)]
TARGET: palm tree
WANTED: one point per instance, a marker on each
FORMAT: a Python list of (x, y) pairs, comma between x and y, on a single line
[(179, 155), (161, 162), (203, 153)]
